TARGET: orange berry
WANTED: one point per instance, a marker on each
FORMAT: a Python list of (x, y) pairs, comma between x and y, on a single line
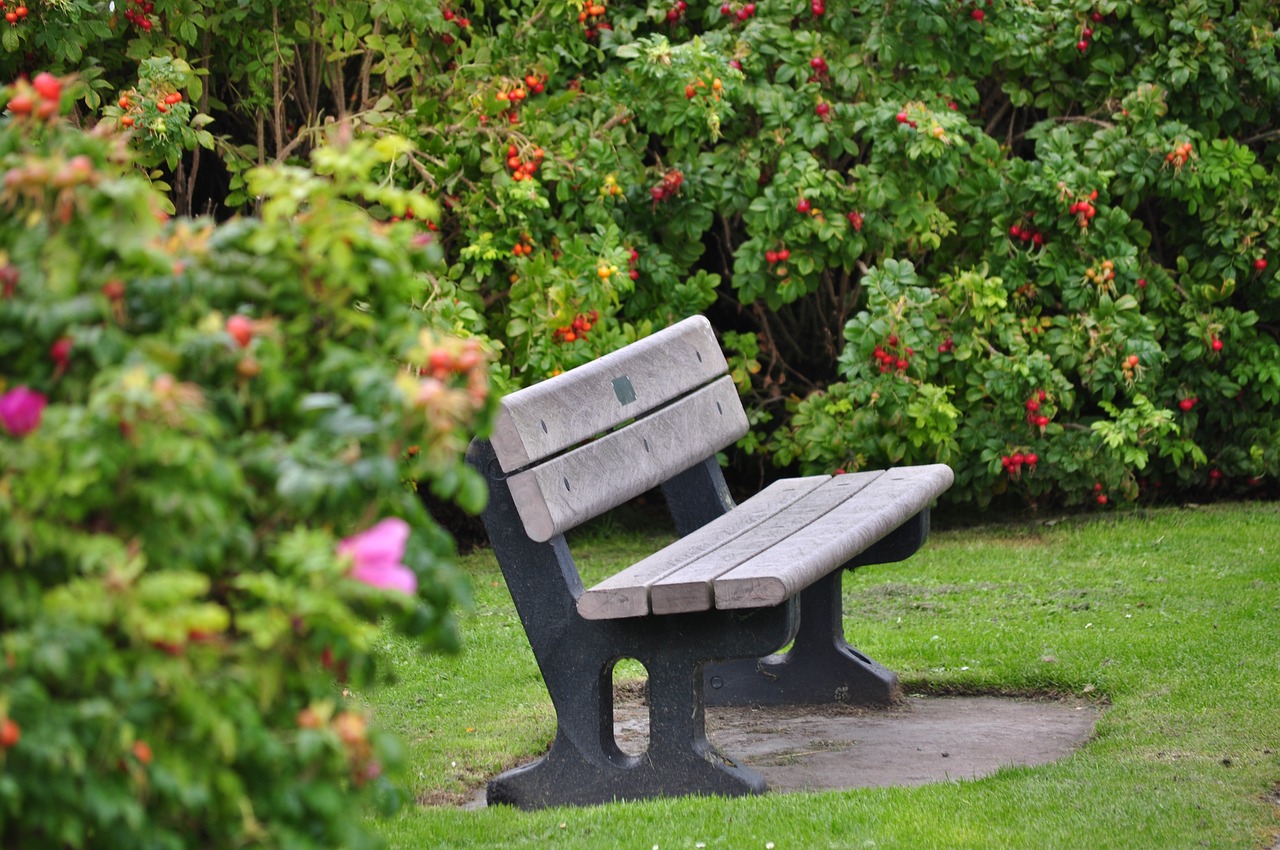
[(309, 718), (248, 367), (21, 104), (10, 733)]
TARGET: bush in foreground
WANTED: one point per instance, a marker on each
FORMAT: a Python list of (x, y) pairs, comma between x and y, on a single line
[(206, 438)]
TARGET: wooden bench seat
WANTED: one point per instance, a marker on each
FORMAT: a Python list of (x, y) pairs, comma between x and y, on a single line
[(770, 547), (707, 615)]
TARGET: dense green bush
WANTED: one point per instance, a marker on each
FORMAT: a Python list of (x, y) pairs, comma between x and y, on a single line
[(1073, 183), (1031, 240), (208, 436)]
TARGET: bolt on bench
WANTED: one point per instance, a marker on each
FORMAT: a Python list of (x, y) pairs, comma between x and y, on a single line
[(704, 615)]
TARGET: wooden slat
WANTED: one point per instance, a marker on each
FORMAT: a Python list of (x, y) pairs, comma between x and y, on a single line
[(626, 594), (570, 489), (822, 546), (560, 412), (689, 588)]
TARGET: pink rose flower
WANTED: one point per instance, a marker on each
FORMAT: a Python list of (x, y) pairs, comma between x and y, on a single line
[(20, 410), (376, 554)]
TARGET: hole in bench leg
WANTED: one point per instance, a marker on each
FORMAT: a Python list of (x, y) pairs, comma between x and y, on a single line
[(631, 706)]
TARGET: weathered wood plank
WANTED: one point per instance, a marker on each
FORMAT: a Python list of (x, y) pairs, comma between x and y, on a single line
[(689, 588), (560, 412), (626, 594), (570, 489), (822, 546)]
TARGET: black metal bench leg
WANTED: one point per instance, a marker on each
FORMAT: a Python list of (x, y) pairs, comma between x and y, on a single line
[(821, 667), (583, 752), (585, 764)]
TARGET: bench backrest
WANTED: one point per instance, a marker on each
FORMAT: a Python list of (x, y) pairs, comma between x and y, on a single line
[(589, 439)]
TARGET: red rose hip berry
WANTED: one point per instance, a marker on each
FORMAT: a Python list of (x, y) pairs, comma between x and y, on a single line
[(240, 329), (10, 733), (47, 86)]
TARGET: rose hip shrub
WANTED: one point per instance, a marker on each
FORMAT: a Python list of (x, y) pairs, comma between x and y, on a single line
[(1055, 189), (1030, 240), (210, 437)]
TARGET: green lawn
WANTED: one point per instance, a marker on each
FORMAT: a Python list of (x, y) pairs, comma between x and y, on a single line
[(1171, 616)]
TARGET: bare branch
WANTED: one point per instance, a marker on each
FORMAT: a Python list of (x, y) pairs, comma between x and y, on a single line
[(1261, 137), (366, 66), (277, 99), (1083, 119)]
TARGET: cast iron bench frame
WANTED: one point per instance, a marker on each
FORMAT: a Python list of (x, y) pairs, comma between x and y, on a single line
[(706, 614)]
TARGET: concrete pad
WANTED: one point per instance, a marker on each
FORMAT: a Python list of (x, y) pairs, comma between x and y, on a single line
[(925, 739), (928, 739)]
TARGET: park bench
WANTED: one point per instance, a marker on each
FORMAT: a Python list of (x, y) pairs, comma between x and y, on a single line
[(707, 615)]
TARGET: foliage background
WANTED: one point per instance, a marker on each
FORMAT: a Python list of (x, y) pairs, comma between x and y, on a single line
[(921, 166), (1036, 241)]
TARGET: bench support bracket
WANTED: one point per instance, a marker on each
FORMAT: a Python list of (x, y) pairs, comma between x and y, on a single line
[(820, 667), (585, 764)]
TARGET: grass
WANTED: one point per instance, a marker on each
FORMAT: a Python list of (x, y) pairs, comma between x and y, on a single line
[(1171, 616)]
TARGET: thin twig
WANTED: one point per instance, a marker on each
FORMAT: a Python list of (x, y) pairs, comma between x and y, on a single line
[(618, 118), (306, 95), (278, 105), (843, 305), (763, 320), (998, 117), (261, 133), (204, 107), (366, 66), (726, 247), (340, 90), (1269, 134), (1083, 119)]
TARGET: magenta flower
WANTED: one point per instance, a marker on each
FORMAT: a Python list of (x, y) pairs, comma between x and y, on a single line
[(20, 410), (376, 554)]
